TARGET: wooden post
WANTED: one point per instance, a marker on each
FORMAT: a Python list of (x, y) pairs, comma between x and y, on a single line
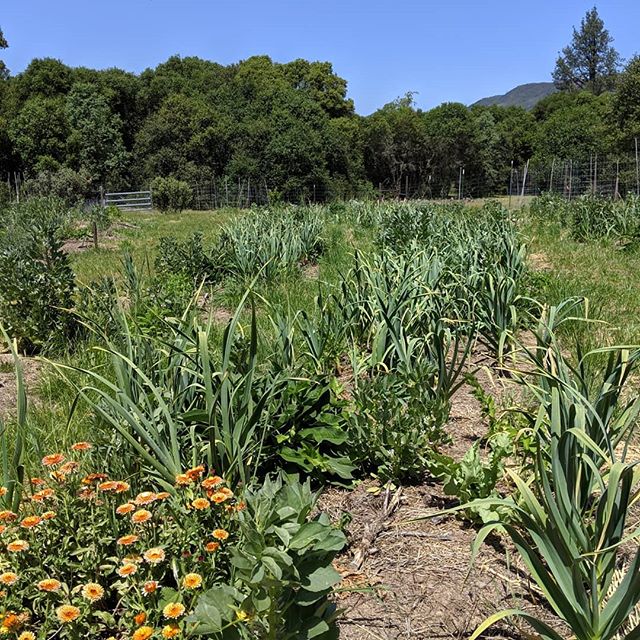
[(553, 164), (460, 184), (616, 193), (524, 178)]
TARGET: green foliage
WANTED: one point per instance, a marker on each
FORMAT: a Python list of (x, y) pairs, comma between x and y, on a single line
[(36, 279), (170, 194), (282, 574), (62, 182)]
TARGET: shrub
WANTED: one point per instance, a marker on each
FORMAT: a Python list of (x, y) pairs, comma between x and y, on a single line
[(36, 279), (70, 186), (170, 194)]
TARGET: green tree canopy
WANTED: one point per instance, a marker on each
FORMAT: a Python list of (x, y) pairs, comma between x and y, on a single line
[(590, 62)]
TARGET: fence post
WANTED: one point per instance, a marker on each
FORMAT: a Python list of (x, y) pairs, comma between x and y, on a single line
[(570, 178), (460, 184), (553, 164), (637, 171), (616, 193), (524, 178)]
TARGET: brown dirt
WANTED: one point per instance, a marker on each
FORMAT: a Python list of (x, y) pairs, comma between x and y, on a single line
[(311, 271), (412, 579), (539, 262), (79, 245), (8, 393), (220, 315)]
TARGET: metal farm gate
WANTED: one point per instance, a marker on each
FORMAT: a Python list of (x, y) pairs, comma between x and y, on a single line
[(129, 200)]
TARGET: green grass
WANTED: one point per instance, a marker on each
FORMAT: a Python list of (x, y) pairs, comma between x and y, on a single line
[(601, 271)]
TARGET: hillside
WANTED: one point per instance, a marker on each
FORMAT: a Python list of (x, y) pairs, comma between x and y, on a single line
[(524, 95)]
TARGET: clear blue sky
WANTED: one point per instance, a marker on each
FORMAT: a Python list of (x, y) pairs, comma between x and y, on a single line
[(445, 51)]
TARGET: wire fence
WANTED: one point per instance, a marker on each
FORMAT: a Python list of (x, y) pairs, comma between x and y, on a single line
[(611, 177)]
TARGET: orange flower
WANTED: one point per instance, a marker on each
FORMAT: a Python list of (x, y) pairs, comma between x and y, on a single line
[(86, 494), (140, 618), (183, 480), (170, 631), (49, 584), (173, 610), (92, 592), (143, 633), (192, 581), (154, 556), (127, 569), (58, 476), (17, 546), (146, 497), (11, 621), (222, 495), (140, 516), (8, 578), (41, 496), (212, 546), (67, 613), (200, 504), (81, 446), (220, 534), (36, 482), (31, 521), (48, 515), (195, 473), (52, 459), (94, 477), (117, 486), (8, 516), (121, 486), (124, 509), (163, 495), (3, 491), (125, 541), (150, 586), (68, 467), (211, 482)]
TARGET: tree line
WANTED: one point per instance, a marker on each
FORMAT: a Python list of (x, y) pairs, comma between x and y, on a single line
[(292, 127)]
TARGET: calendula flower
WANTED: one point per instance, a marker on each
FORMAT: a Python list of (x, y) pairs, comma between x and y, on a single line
[(220, 496), (17, 546), (183, 480), (86, 494), (211, 482), (58, 476), (192, 581), (150, 586), (41, 496), (3, 492), (67, 613), (127, 569), (92, 592), (173, 610), (140, 618), (30, 521), (52, 459), (163, 495), (200, 504), (220, 534), (8, 516), (170, 631), (68, 467), (27, 635), (115, 486), (143, 633), (125, 541), (8, 578), (48, 515), (196, 472), (124, 509), (37, 482), (146, 497), (140, 516), (94, 477), (11, 622), (81, 446), (212, 546), (154, 556), (49, 585)]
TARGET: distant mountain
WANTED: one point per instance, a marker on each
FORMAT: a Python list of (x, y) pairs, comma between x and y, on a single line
[(525, 95)]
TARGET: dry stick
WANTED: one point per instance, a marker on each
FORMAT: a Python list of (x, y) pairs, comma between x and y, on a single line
[(373, 529)]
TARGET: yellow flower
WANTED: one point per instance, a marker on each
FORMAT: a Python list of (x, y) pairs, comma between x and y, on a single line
[(67, 613), (52, 459), (127, 569), (27, 635), (49, 584), (17, 546), (170, 631), (192, 581), (8, 578), (173, 610), (241, 615), (125, 541), (142, 515), (143, 633), (31, 521), (81, 446), (220, 534), (200, 504), (92, 592), (154, 556)]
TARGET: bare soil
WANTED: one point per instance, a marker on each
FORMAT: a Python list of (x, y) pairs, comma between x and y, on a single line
[(8, 392)]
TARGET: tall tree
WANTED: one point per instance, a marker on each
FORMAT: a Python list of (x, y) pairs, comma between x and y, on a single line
[(590, 62), (4, 72)]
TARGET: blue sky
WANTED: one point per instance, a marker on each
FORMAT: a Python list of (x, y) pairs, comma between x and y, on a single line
[(444, 51)]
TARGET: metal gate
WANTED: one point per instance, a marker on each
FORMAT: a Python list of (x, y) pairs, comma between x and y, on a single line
[(129, 200)]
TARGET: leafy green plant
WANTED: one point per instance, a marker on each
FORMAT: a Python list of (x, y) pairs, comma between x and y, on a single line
[(282, 574), (170, 194)]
